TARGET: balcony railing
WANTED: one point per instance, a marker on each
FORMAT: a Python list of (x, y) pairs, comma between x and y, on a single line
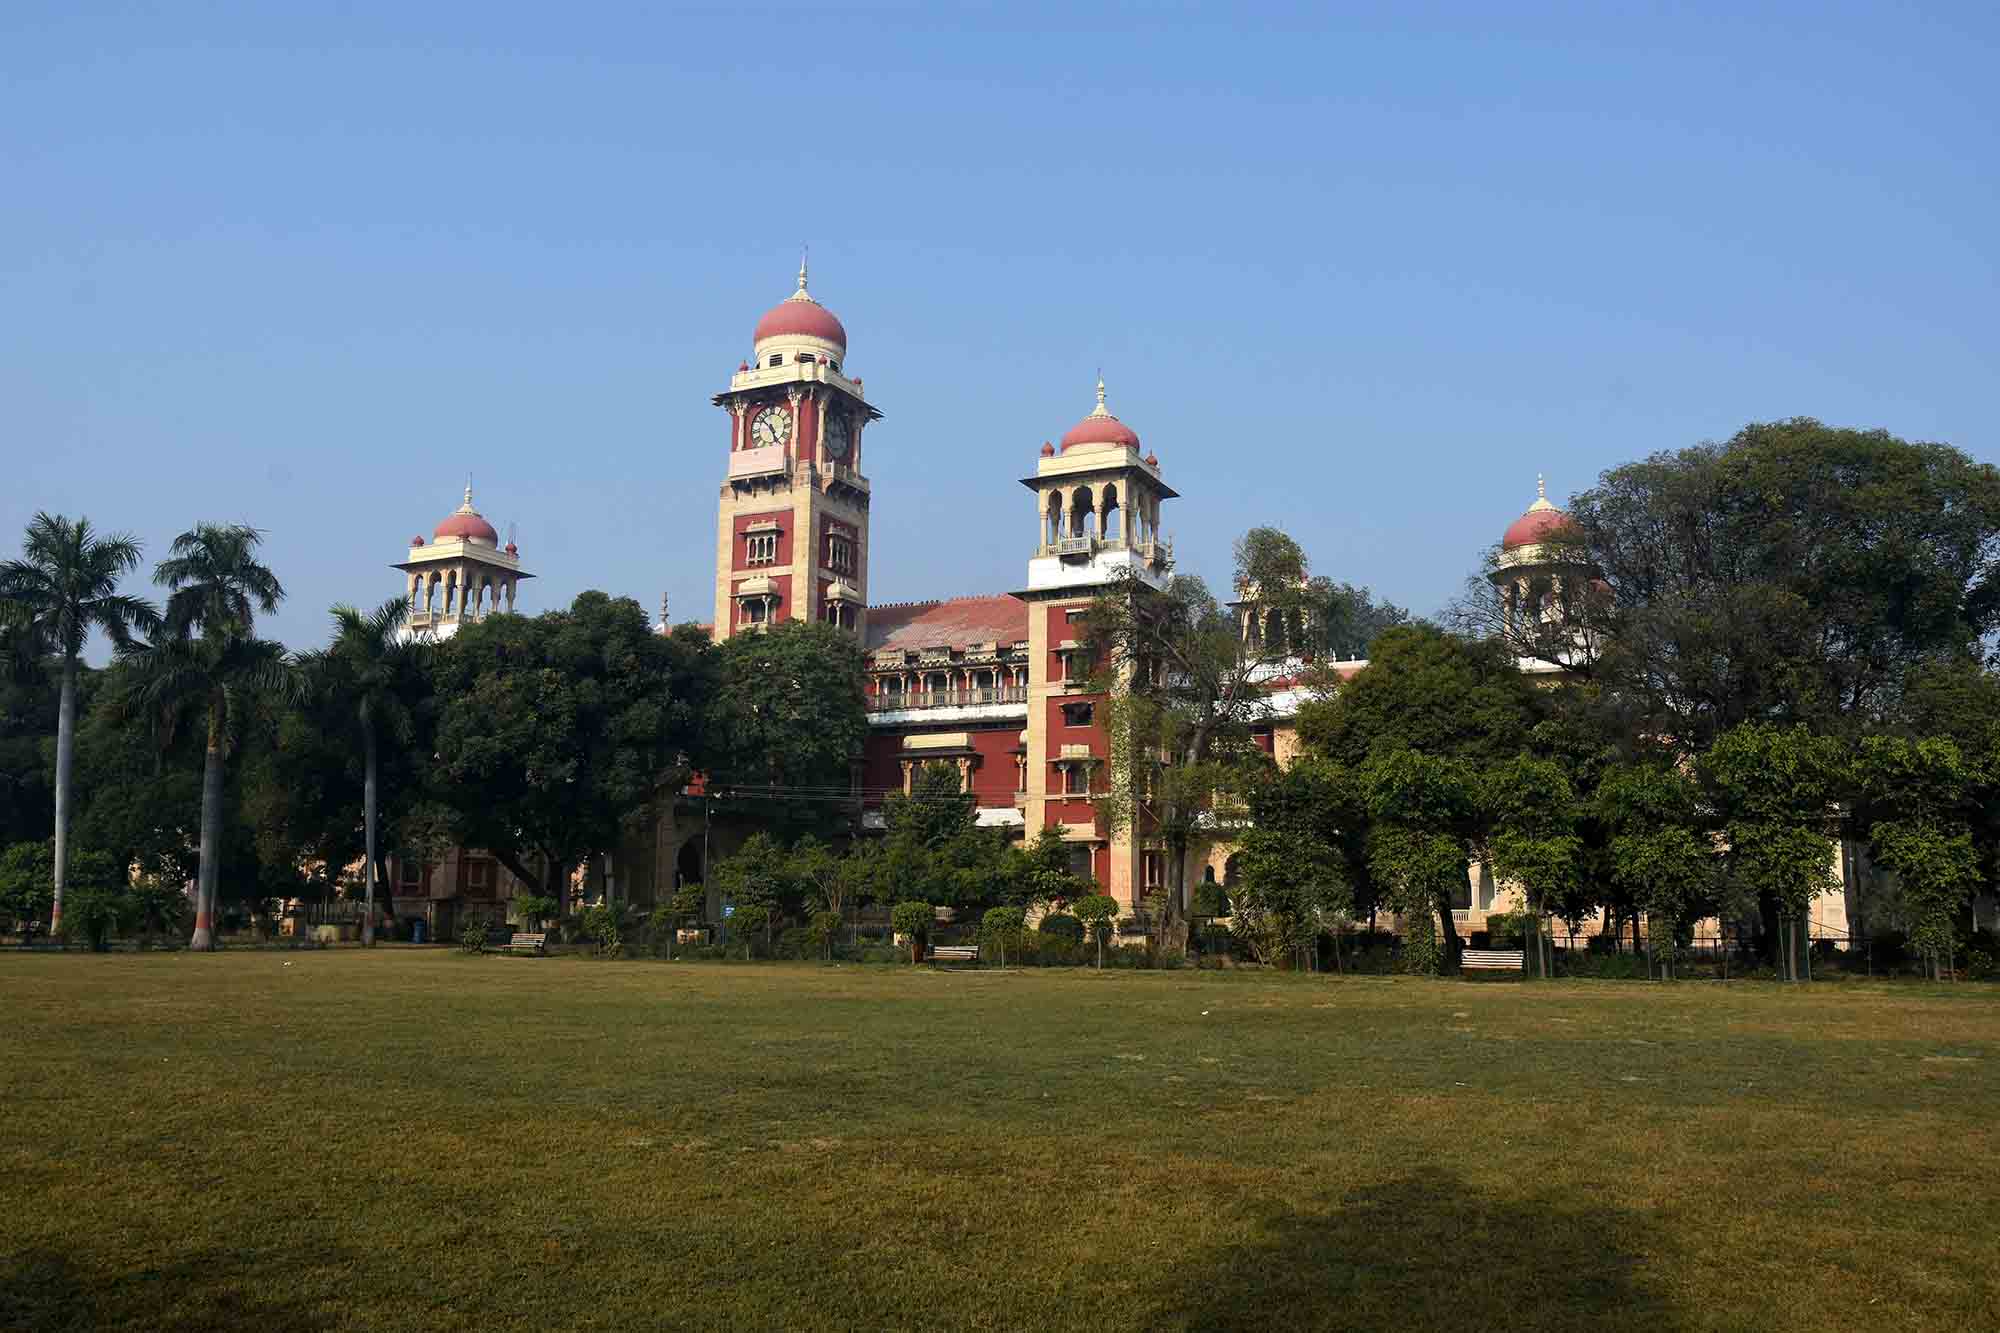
[(997, 694)]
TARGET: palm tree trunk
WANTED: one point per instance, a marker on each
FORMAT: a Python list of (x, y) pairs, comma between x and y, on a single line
[(368, 825), (211, 836), (65, 765)]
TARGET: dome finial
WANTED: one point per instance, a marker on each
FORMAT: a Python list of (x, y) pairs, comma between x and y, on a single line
[(466, 508), (1100, 410), (1541, 487)]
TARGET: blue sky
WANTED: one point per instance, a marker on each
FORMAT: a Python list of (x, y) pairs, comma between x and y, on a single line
[(1357, 274)]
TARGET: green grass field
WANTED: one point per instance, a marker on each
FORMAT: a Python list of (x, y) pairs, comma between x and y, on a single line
[(417, 1139)]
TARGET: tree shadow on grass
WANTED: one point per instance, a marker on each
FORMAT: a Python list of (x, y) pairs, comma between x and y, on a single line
[(1431, 1251), (42, 1289)]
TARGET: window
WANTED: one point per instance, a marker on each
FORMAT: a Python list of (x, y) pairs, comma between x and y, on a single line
[(777, 359), (840, 553), (479, 877), (1153, 867), (756, 611), (1076, 779), (1079, 862), (1078, 715), (760, 548), (832, 364), (413, 874)]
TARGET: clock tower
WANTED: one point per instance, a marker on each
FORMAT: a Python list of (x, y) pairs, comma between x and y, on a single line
[(792, 530)]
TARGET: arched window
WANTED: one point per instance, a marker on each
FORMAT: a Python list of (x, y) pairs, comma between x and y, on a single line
[(1082, 514), (1229, 869), (1113, 516)]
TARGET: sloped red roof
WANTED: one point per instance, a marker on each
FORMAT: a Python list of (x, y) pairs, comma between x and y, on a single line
[(957, 622)]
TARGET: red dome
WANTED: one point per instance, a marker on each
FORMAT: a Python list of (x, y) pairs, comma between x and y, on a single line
[(801, 318), (467, 527), (1101, 430), (1541, 523), (1100, 427), (465, 524)]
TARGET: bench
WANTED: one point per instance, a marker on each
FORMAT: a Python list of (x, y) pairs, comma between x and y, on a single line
[(526, 942), (1492, 960), (953, 953)]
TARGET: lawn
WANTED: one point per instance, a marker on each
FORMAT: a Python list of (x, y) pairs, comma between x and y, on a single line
[(418, 1139)]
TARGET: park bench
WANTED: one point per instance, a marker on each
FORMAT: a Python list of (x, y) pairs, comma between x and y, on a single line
[(1492, 960), (526, 942), (954, 953)]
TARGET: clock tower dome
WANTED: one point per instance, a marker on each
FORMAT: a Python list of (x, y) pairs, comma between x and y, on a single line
[(792, 530)]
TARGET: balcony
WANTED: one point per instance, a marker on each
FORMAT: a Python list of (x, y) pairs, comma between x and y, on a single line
[(997, 694)]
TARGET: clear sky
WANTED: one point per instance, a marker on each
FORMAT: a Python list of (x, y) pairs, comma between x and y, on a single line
[(1360, 275)]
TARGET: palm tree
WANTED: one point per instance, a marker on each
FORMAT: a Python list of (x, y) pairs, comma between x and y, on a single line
[(208, 659), (364, 671), (64, 586)]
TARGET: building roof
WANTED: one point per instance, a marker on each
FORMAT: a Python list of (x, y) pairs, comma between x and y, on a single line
[(999, 618)]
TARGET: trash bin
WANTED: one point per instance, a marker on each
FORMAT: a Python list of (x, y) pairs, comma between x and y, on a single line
[(417, 932)]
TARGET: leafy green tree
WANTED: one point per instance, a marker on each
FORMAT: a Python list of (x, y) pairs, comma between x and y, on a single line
[(913, 920), (1097, 911), (64, 587), (1293, 885), (1040, 873), (759, 874), (1663, 849), (1418, 728), (1533, 842), (752, 920), (1002, 926), (1918, 800), (370, 671), (556, 732), (27, 881), (1187, 679), (1775, 789), (1796, 573), (787, 721), (206, 660)]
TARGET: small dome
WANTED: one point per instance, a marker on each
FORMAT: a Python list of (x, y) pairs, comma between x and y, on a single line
[(1542, 521), (799, 316), (1100, 427), (416, 541), (1048, 450), (465, 524), (1153, 462)]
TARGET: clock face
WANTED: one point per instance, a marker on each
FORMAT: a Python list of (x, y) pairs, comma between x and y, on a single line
[(772, 426), (839, 438)]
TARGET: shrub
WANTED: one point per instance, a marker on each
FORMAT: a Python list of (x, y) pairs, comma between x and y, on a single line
[(1097, 912), (472, 928), (1609, 966), (824, 930), (1980, 952), (797, 942), (1062, 927), (532, 909), (1002, 926), (1505, 930), (660, 927), (603, 928), (750, 921), (93, 914), (1889, 950), (1210, 900), (913, 920)]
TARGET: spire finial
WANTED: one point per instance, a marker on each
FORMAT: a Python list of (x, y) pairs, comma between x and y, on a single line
[(1100, 410), (804, 252), (1541, 487), (468, 492)]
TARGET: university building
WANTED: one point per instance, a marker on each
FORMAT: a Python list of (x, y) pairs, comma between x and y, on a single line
[(994, 685)]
